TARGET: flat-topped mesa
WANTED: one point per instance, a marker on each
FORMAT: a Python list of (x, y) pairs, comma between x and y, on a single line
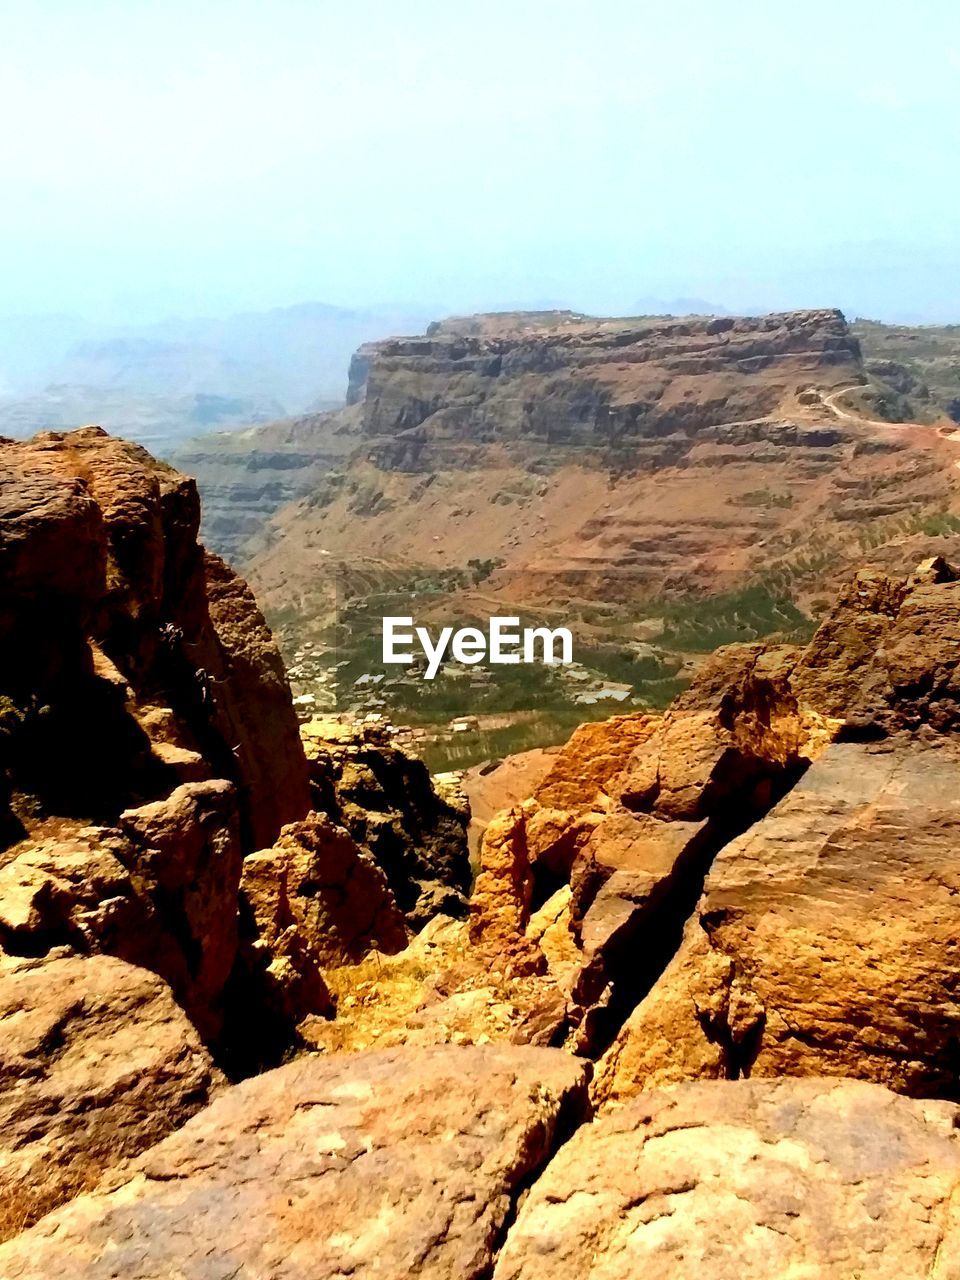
[(574, 380)]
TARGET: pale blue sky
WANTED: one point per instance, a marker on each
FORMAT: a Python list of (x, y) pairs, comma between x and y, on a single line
[(224, 154)]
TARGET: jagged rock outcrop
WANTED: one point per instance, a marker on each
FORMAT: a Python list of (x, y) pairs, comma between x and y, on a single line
[(126, 653), (159, 889), (723, 740), (384, 1164), (649, 801), (816, 787), (832, 1179), (391, 806), (97, 1063), (825, 940), (313, 901), (886, 657), (147, 738), (593, 754)]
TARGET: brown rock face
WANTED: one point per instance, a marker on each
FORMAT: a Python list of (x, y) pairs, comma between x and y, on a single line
[(502, 894), (886, 658), (723, 741), (158, 890), (97, 1063), (384, 1164), (495, 785), (147, 739), (391, 807), (826, 940), (314, 900), (184, 858), (129, 661), (594, 754), (832, 1179), (651, 800), (251, 709)]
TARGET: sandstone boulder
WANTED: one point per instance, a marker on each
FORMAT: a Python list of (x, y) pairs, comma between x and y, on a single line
[(97, 1063), (724, 743), (594, 754), (499, 784), (183, 854), (384, 1164), (317, 881), (159, 890), (747, 1181), (885, 660), (826, 939)]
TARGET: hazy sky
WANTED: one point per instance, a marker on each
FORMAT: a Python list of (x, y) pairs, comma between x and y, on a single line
[(203, 155)]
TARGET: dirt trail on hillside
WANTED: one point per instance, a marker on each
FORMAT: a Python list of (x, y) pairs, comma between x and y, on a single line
[(830, 402)]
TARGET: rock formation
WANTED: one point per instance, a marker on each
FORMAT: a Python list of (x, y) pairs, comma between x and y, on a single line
[(757, 1179), (147, 738), (391, 806), (127, 653), (385, 1164), (312, 902), (97, 1063), (629, 816), (842, 895), (148, 746)]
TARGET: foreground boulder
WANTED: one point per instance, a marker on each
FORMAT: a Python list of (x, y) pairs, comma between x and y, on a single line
[(97, 1063), (385, 1164), (799, 1178)]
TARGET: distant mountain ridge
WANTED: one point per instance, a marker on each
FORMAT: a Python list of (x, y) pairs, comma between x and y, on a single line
[(163, 382)]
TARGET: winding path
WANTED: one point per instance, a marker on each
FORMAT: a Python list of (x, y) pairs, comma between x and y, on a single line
[(830, 402)]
